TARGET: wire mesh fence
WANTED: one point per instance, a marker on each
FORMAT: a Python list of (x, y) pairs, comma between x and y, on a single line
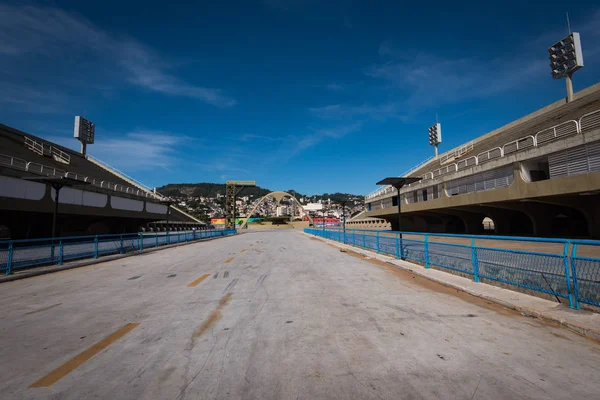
[(586, 273), (19, 254), (575, 277)]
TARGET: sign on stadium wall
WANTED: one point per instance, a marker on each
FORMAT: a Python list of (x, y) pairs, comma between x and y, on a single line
[(221, 221)]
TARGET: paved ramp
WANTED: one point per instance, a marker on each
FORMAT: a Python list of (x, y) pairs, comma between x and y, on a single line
[(274, 315)]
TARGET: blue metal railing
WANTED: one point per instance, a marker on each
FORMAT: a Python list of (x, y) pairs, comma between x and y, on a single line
[(586, 274), (570, 276), (16, 254)]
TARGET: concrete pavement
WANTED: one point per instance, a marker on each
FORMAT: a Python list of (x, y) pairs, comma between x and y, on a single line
[(274, 315), (582, 321)]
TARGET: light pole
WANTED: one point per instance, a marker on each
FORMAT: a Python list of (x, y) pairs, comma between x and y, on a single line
[(566, 57), (168, 204), (57, 183), (344, 219), (398, 183), (435, 136)]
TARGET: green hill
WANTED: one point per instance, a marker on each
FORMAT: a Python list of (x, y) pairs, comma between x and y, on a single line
[(205, 189)]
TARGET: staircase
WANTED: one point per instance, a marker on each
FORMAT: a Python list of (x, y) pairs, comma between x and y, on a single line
[(458, 152), (47, 150)]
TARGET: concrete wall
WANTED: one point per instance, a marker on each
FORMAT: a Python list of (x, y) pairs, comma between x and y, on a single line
[(522, 208), (26, 209)]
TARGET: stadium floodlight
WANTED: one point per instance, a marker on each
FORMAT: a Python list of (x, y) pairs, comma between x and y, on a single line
[(566, 57), (84, 132), (435, 136)]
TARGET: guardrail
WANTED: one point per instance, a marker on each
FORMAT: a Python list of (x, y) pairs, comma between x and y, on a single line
[(42, 169), (456, 152), (569, 276), (18, 254), (135, 181), (43, 148), (586, 122)]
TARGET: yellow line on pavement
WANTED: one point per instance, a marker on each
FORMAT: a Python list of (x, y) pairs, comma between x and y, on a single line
[(197, 281), (82, 357), (230, 259), (243, 251)]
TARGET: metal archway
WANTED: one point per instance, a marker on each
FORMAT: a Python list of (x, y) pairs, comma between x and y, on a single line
[(278, 196)]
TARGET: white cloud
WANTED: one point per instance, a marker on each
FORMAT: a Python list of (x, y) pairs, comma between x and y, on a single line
[(320, 135), (145, 70), (416, 80), (250, 137), (336, 87), (430, 80), (424, 79), (24, 98), (54, 34), (140, 150), (220, 166), (345, 111)]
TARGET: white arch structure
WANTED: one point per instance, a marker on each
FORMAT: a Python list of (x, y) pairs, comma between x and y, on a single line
[(278, 196)]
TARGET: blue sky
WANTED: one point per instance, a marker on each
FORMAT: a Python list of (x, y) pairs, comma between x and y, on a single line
[(290, 93)]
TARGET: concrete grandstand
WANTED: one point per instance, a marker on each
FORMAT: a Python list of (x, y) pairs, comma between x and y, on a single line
[(539, 175), (98, 200)]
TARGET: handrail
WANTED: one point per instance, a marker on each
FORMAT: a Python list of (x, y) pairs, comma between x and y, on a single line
[(595, 120), (375, 192), (516, 143), (466, 162), (31, 166), (60, 154), (540, 138), (489, 156), (574, 277), (40, 148), (457, 152), (486, 237), (140, 185)]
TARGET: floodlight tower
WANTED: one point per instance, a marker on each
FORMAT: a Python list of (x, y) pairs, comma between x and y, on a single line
[(566, 57), (435, 136), (231, 192), (84, 132)]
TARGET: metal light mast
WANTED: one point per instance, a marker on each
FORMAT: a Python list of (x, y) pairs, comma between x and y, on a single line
[(566, 57)]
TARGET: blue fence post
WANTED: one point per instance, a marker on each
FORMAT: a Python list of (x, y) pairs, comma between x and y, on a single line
[(10, 259), (401, 247), (60, 253), (353, 238), (573, 300), (397, 245), (377, 242), (426, 246), (141, 242), (574, 269), (156, 238), (121, 245), (96, 246), (474, 261), (364, 240)]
